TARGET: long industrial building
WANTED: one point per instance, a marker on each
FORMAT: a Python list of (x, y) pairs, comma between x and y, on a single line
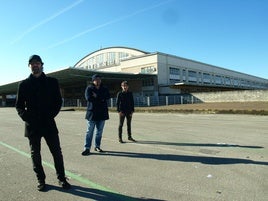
[(173, 74), (149, 74)]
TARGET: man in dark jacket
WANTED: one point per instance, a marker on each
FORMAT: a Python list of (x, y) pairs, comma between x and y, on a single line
[(38, 103), (125, 108), (97, 112)]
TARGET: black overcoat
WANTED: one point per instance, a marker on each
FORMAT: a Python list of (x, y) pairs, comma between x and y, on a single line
[(38, 102), (97, 107)]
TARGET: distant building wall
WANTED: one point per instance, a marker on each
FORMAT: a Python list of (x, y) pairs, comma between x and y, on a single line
[(174, 74), (233, 96)]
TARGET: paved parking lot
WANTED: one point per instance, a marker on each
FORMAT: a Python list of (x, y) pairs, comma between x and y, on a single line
[(177, 157)]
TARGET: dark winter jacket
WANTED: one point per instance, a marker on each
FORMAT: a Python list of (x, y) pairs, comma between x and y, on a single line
[(38, 102), (97, 108), (125, 102)]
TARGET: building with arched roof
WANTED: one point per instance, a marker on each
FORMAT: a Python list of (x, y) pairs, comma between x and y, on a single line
[(173, 74), (148, 73)]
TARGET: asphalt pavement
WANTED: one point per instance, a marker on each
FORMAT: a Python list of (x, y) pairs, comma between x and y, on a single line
[(177, 157)]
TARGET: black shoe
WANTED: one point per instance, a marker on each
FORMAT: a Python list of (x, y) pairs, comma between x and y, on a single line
[(131, 139), (64, 184), (41, 186), (98, 149), (86, 152), (121, 141)]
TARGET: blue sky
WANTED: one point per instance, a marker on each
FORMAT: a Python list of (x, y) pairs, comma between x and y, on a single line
[(232, 34)]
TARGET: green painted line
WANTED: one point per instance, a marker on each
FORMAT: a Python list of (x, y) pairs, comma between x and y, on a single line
[(68, 173), (73, 176), (16, 150)]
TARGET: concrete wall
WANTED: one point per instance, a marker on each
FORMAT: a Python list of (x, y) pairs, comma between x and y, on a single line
[(233, 96)]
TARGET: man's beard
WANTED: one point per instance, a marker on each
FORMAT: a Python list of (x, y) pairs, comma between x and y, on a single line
[(37, 70)]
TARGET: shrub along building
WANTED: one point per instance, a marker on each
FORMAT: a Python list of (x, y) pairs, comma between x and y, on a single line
[(149, 74)]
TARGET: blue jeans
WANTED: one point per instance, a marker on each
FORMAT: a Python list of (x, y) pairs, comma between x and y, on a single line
[(90, 131)]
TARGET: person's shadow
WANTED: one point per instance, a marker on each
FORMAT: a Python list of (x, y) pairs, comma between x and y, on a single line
[(186, 158), (189, 158), (201, 144), (96, 194)]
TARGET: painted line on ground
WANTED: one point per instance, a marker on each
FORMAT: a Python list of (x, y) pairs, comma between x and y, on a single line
[(70, 174)]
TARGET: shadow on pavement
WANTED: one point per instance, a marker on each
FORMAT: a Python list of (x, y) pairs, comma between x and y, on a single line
[(185, 158), (200, 144), (96, 194)]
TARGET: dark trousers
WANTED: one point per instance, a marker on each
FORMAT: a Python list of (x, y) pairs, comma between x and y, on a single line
[(53, 143), (121, 123)]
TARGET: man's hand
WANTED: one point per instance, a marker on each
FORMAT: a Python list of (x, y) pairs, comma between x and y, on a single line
[(94, 94)]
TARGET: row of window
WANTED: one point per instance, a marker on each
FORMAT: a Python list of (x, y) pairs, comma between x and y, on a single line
[(184, 75), (148, 82), (148, 69), (104, 59)]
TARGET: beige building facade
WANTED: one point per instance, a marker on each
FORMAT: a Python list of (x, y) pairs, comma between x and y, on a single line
[(173, 74)]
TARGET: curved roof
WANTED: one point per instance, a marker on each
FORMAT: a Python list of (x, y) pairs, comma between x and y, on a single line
[(125, 51)]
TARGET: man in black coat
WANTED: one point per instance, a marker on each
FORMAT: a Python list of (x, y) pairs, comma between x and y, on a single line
[(38, 103)]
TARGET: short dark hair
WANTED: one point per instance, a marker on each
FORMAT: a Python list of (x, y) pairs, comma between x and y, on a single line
[(124, 82), (95, 77)]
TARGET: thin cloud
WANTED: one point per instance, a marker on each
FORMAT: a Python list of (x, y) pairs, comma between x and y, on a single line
[(106, 24), (45, 21)]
